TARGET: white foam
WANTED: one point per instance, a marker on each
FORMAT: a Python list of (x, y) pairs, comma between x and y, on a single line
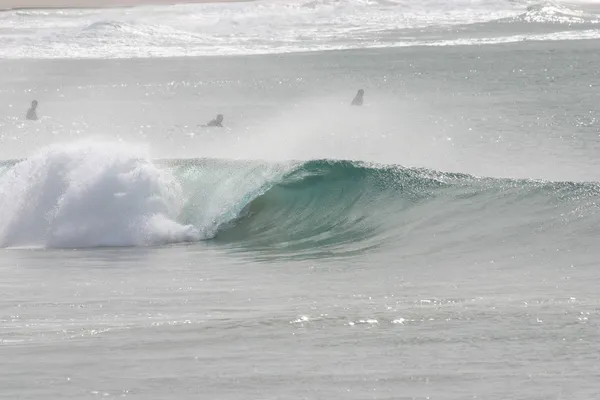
[(554, 12), (261, 27), (90, 194)]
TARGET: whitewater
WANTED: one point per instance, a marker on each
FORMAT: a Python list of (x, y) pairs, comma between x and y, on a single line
[(438, 242)]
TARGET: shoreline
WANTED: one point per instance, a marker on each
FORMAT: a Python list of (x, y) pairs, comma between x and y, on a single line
[(16, 5)]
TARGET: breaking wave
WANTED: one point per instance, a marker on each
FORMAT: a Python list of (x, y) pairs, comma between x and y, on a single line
[(93, 195)]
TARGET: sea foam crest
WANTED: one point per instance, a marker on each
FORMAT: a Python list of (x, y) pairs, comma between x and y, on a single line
[(90, 195), (555, 13)]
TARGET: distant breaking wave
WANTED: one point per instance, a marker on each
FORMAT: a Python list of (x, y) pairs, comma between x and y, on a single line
[(286, 26), (95, 195), (556, 13)]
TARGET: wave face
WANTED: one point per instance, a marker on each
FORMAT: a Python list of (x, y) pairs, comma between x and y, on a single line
[(275, 26), (103, 195)]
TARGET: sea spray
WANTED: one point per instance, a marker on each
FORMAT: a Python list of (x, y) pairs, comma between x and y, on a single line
[(88, 195)]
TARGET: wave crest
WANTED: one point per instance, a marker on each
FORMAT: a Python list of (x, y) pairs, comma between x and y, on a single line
[(555, 13)]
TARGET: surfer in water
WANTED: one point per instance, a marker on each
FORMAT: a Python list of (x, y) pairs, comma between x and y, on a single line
[(358, 99), (32, 113), (217, 122)]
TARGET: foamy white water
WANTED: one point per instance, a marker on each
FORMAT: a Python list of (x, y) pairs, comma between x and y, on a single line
[(265, 27), (45, 200)]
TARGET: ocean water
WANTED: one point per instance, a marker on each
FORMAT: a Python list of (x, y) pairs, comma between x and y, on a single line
[(439, 242)]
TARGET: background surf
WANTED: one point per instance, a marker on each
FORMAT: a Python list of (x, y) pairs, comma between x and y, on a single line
[(266, 27)]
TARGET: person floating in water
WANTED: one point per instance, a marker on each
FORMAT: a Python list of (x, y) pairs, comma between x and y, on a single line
[(217, 122), (32, 113), (358, 99)]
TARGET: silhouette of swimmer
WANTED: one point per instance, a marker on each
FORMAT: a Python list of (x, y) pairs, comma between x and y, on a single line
[(358, 99), (31, 113), (216, 122)]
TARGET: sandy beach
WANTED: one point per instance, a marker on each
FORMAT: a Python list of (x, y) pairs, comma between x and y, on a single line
[(27, 4)]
